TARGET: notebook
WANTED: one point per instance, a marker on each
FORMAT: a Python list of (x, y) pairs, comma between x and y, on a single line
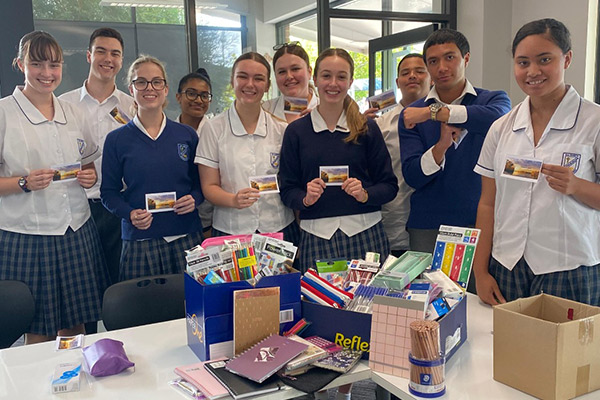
[(342, 361), (255, 316), (238, 386), (265, 358), (311, 354), (325, 344), (198, 376)]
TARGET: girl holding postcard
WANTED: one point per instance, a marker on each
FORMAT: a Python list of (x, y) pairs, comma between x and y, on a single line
[(150, 180), (292, 74), (343, 220), (242, 145), (47, 238), (541, 234)]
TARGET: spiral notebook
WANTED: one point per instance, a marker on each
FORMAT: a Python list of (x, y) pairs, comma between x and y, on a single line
[(238, 386), (265, 358)]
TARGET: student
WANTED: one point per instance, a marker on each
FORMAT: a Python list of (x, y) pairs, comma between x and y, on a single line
[(441, 136), (47, 238), (541, 236), (107, 108), (194, 95), (414, 83), (336, 221), (237, 144), (149, 155), (292, 75)]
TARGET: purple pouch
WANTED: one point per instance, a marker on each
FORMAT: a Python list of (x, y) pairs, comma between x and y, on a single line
[(106, 357)]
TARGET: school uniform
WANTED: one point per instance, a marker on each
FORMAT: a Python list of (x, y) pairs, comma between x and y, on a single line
[(275, 105), (550, 241), (337, 225), (135, 164), (47, 238), (225, 145), (103, 118)]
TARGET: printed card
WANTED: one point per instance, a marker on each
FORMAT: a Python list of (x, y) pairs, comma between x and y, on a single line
[(69, 342), (294, 105), (119, 115), (521, 168), (334, 175), (265, 184), (160, 202), (65, 172), (382, 101)]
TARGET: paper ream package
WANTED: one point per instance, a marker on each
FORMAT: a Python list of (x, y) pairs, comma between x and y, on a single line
[(66, 378)]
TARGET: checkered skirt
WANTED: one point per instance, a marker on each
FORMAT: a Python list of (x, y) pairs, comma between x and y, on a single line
[(155, 256), (65, 273), (313, 248)]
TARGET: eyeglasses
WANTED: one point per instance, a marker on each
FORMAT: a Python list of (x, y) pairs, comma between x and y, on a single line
[(142, 84), (282, 45), (192, 95)]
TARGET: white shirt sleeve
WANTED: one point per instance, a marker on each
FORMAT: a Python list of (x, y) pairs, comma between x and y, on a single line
[(428, 164), (485, 163), (458, 114), (207, 152)]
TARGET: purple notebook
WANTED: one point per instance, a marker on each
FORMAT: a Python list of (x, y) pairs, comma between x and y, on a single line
[(265, 358)]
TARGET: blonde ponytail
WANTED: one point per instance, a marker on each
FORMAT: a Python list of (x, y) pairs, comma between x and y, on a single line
[(357, 122)]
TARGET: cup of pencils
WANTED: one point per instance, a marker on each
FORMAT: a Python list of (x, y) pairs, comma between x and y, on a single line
[(427, 375)]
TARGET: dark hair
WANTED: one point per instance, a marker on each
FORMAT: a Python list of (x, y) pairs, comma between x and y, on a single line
[(357, 122), (106, 32), (295, 50), (552, 29), (200, 73), (446, 35), (254, 56), (38, 46), (409, 55)]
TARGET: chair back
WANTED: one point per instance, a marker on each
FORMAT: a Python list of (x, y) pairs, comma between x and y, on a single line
[(143, 301), (17, 309)]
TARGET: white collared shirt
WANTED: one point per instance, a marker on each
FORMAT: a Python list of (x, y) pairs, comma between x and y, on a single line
[(100, 120), (225, 145), (275, 105), (349, 224), (395, 213), (138, 123), (553, 231), (458, 115), (28, 141)]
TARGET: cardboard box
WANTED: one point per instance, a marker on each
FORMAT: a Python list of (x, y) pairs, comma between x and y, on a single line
[(547, 346), (353, 329), (209, 311)]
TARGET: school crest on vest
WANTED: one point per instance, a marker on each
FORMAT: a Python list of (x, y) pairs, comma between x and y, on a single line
[(184, 151), (274, 160), (81, 146), (571, 160)]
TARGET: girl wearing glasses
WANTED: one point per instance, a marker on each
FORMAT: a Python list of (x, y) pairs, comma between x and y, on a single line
[(238, 144), (194, 95), (152, 155), (292, 74), (47, 238), (342, 221)]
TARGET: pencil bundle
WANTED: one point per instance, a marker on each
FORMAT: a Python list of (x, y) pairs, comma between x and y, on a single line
[(426, 363), (425, 340)]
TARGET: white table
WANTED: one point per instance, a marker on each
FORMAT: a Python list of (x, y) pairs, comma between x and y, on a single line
[(26, 372), (469, 373)]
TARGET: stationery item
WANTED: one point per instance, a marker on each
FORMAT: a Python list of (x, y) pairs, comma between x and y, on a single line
[(332, 270), (255, 316), (106, 357), (341, 361), (383, 101), (454, 252), (311, 354), (294, 105), (188, 389), (361, 271), (197, 375), (325, 344), (425, 340), (334, 175), (297, 328), (66, 378), (265, 184), (69, 342), (160, 202), (342, 297), (522, 168), (426, 361), (238, 386), (265, 358), (65, 172)]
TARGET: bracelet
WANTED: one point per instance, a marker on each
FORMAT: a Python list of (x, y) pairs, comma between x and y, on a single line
[(366, 196), (304, 202)]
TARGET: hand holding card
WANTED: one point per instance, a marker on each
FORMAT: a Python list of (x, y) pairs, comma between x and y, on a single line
[(245, 198), (314, 190), (39, 179), (184, 205), (87, 177), (141, 219)]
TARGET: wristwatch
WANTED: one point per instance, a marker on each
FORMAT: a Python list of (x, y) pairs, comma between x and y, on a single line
[(433, 109), (23, 184)]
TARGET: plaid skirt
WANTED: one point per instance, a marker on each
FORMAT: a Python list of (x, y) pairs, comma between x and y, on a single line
[(65, 273), (155, 256), (291, 233), (313, 248), (581, 284)]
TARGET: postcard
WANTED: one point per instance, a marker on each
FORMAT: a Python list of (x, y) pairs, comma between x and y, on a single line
[(382, 101), (294, 105), (521, 168), (69, 342), (334, 175), (119, 115), (65, 172), (160, 202), (265, 184)]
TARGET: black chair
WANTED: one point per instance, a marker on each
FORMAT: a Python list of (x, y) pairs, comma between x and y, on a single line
[(143, 301), (17, 308)]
